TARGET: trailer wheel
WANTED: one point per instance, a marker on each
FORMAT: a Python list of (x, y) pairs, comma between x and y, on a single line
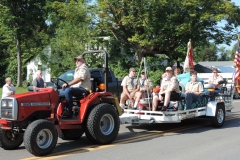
[(40, 137), (219, 118), (102, 124), (70, 134), (9, 140)]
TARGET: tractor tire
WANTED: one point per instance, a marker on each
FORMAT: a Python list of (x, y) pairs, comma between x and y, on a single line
[(70, 134), (40, 137), (219, 118), (102, 124), (9, 141)]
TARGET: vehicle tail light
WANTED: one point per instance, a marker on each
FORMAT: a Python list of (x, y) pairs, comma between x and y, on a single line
[(101, 86)]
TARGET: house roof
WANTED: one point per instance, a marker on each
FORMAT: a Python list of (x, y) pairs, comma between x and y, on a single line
[(211, 64), (222, 66)]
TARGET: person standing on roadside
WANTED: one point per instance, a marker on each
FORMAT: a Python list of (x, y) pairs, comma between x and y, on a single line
[(38, 82), (8, 88)]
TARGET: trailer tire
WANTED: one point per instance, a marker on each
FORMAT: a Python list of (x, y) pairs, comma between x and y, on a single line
[(70, 134), (40, 137), (219, 118), (102, 124), (8, 141)]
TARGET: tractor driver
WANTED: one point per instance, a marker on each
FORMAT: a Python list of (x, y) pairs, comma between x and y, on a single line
[(78, 86)]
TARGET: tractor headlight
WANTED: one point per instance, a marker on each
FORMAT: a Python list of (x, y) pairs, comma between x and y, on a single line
[(4, 103), (10, 103), (7, 103)]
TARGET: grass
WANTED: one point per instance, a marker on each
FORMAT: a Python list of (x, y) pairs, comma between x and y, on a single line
[(18, 90)]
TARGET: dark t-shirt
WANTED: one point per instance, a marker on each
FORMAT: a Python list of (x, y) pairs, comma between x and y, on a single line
[(38, 82)]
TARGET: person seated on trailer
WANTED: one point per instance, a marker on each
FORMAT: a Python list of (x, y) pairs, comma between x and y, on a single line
[(214, 79), (130, 87), (193, 89), (156, 91), (145, 85), (177, 71), (169, 90)]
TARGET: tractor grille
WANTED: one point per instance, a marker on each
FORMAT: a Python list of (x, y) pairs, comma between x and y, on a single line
[(8, 108)]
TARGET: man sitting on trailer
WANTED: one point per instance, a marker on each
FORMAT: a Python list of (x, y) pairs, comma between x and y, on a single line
[(130, 87), (145, 88), (193, 89), (169, 91)]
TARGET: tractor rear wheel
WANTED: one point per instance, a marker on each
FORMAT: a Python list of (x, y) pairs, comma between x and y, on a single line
[(102, 124)]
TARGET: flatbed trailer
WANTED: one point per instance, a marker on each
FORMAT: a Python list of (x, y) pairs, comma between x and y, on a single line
[(215, 109)]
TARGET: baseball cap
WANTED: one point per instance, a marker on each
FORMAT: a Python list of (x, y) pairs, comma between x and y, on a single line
[(79, 57), (168, 69), (143, 71), (132, 69)]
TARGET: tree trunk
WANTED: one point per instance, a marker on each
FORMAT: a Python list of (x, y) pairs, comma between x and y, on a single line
[(19, 61), (138, 56)]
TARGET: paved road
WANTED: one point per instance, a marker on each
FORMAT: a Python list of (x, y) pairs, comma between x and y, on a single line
[(191, 139)]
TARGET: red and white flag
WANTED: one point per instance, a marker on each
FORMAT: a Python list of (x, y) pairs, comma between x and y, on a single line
[(188, 64), (237, 65)]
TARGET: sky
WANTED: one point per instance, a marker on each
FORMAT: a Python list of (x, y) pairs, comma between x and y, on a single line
[(237, 3)]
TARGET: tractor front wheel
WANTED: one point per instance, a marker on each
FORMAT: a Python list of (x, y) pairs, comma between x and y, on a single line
[(40, 137)]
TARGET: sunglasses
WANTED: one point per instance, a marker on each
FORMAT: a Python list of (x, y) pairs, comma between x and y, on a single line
[(78, 60), (214, 72)]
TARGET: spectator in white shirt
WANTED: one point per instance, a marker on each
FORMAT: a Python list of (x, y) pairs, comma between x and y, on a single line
[(8, 88)]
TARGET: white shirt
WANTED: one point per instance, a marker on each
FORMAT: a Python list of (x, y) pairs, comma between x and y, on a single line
[(8, 90)]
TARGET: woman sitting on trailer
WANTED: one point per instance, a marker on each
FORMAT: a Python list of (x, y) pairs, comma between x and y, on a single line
[(193, 89), (145, 88), (169, 91), (214, 79)]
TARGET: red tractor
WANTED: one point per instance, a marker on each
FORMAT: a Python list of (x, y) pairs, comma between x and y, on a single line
[(36, 118)]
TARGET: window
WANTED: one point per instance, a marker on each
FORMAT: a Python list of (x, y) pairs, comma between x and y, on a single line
[(67, 76)]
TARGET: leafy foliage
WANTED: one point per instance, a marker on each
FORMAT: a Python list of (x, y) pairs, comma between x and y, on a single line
[(69, 22), (150, 26), (23, 26)]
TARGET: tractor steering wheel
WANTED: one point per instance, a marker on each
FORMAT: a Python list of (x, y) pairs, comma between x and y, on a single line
[(58, 84)]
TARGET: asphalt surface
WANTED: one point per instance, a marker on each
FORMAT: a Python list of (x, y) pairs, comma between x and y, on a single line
[(191, 139)]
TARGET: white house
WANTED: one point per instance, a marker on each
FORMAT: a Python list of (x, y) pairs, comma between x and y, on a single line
[(34, 64)]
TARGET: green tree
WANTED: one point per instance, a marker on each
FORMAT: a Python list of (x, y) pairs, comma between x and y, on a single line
[(206, 53), (224, 55), (23, 23), (70, 23), (150, 26), (233, 52)]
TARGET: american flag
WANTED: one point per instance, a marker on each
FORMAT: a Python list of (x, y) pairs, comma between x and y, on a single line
[(188, 64), (237, 65)]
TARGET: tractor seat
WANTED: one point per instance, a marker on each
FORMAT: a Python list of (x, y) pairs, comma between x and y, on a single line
[(81, 96), (75, 98)]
